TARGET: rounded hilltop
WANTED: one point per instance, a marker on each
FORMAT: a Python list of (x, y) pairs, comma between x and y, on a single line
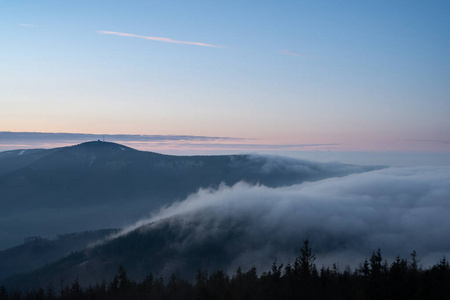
[(99, 144)]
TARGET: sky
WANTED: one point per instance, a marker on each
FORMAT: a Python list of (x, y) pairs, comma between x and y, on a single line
[(331, 75)]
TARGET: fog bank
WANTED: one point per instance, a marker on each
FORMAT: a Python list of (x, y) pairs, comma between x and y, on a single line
[(395, 209)]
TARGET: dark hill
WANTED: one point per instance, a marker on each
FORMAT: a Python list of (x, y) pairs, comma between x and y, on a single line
[(35, 252), (180, 245), (106, 185)]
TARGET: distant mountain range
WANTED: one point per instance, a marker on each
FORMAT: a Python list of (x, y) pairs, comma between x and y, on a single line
[(95, 185)]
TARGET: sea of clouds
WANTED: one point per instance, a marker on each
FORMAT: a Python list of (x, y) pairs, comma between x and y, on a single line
[(345, 219)]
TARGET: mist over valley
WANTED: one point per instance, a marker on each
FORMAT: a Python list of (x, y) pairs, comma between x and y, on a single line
[(183, 213)]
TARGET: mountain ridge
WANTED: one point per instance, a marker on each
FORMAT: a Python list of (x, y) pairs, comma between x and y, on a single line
[(98, 184)]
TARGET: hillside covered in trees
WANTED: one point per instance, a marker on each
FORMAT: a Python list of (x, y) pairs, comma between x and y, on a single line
[(374, 278), (98, 185)]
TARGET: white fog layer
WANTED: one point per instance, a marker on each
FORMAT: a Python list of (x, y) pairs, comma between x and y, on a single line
[(397, 209)]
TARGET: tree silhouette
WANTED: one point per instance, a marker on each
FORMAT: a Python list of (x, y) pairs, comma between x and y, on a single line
[(304, 265), (373, 279), (3, 294)]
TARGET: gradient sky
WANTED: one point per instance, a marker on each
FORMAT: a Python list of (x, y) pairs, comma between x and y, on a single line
[(364, 75)]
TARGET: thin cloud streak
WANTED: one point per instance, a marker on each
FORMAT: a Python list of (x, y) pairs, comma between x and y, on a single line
[(291, 53), (429, 141), (158, 39), (252, 146)]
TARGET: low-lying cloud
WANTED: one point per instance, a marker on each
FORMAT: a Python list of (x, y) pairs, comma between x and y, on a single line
[(57, 136), (25, 140), (345, 219), (175, 144)]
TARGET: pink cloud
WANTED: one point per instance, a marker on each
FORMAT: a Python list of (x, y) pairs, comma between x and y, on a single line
[(158, 39)]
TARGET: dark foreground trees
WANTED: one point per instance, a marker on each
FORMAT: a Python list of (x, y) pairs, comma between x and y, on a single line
[(373, 279)]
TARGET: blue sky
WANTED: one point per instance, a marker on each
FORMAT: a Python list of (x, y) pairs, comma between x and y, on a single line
[(364, 75)]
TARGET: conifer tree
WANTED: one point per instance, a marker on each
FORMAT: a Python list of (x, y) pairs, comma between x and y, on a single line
[(304, 264)]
